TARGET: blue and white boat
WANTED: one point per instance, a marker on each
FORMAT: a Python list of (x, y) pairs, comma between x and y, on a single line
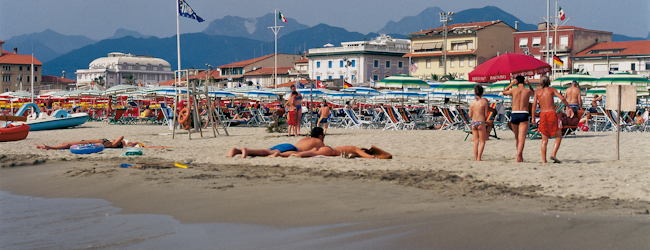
[(58, 119)]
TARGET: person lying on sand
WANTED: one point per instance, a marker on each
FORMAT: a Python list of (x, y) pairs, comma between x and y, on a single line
[(305, 144), (117, 143), (344, 151)]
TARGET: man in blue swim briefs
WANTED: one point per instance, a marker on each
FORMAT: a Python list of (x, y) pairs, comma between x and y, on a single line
[(305, 144), (520, 115)]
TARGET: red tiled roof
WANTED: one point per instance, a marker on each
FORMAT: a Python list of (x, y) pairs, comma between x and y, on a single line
[(11, 58), (565, 27), (244, 63), (628, 48), (1, 42), (213, 73), (56, 79), (439, 53), (288, 84), (268, 71), (479, 25), (305, 60)]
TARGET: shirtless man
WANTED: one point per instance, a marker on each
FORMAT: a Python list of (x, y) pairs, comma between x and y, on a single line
[(305, 144), (291, 114), (548, 120), (478, 111), (594, 104), (573, 97), (324, 114), (520, 113)]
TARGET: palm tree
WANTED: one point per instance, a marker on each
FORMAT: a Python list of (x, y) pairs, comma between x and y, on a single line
[(130, 80)]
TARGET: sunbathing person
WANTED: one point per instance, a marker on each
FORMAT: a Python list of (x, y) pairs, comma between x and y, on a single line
[(117, 143), (240, 119), (305, 144), (344, 151)]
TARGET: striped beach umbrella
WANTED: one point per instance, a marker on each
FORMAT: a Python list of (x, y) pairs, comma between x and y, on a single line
[(261, 95), (596, 91), (456, 87), (342, 96), (582, 79), (497, 87), (361, 90), (222, 94), (623, 79), (402, 81)]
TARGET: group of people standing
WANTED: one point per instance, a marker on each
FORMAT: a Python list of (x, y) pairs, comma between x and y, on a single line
[(523, 113)]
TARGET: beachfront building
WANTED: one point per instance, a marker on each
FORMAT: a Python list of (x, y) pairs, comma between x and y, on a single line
[(615, 57), (361, 61), (119, 68), (53, 84), (264, 77), (300, 68), (568, 41), (16, 70), (233, 73), (468, 45)]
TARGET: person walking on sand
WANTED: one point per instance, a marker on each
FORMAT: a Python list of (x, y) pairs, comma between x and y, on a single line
[(520, 112), (549, 124), (324, 114), (297, 102), (478, 111), (305, 144), (117, 143), (573, 97)]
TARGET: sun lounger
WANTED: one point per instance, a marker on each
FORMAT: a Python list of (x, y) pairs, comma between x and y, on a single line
[(353, 120), (392, 121)]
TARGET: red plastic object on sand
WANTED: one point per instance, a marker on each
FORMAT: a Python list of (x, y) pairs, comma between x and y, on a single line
[(14, 133)]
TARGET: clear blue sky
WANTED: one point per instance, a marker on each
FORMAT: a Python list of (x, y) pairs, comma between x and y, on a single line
[(99, 19)]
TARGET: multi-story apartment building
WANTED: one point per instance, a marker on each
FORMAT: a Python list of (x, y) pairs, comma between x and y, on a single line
[(615, 57), (234, 72), (16, 70), (360, 61), (468, 45), (569, 40), (119, 68)]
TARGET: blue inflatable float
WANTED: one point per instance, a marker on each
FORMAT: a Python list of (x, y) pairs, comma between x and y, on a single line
[(82, 149)]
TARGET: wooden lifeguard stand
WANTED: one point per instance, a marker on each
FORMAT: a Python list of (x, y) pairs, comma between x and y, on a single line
[(196, 93)]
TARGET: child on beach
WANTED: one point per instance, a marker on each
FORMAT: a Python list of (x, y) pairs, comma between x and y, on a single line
[(478, 111)]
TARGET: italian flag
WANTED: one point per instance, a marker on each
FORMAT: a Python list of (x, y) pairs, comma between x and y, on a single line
[(281, 17), (561, 14)]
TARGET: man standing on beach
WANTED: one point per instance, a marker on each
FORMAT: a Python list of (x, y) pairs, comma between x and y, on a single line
[(574, 98), (520, 112), (549, 124), (305, 144), (324, 114)]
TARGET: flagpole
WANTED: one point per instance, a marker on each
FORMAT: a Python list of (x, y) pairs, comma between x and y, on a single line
[(32, 73), (555, 40), (275, 56), (548, 35), (178, 36)]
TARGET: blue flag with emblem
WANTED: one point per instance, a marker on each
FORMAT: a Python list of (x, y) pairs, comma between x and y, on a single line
[(300, 85), (185, 10)]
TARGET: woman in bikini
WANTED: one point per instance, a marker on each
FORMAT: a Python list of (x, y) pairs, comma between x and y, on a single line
[(478, 111), (117, 143), (297, 101), (343, 151)]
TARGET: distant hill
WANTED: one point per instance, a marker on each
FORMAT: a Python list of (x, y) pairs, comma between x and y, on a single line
[(430, 18), (197, 49), (320, 35), (253, 28), (119, 33), (47, 44), (623, 38)]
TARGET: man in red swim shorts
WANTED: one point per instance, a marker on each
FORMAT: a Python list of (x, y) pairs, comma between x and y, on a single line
[(548, 120)]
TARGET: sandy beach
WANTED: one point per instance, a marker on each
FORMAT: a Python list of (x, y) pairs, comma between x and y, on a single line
[(431, 174)]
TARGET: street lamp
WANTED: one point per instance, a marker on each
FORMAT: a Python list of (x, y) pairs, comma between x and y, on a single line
[(445, 18)]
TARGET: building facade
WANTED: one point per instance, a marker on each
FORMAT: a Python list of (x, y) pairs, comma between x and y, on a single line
[(615, 57), (565, 43), (264, 77), (360, 62), (234, 73), (468, 45), (119, 68), (16, 71), (54, 83)]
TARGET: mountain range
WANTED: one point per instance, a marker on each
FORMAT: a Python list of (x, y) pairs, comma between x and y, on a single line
[(250, 36)]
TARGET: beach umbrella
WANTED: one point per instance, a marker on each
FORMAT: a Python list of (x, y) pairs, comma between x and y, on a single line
[(361, 90), (432, 85), (582, 79), (622, 79), (402, 81), (303, 92), (120, 89), (456, 87), (17, 94), (503, 66), (222, 94), (596, 91), (281, 90), (261, 95), (497, 87)]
